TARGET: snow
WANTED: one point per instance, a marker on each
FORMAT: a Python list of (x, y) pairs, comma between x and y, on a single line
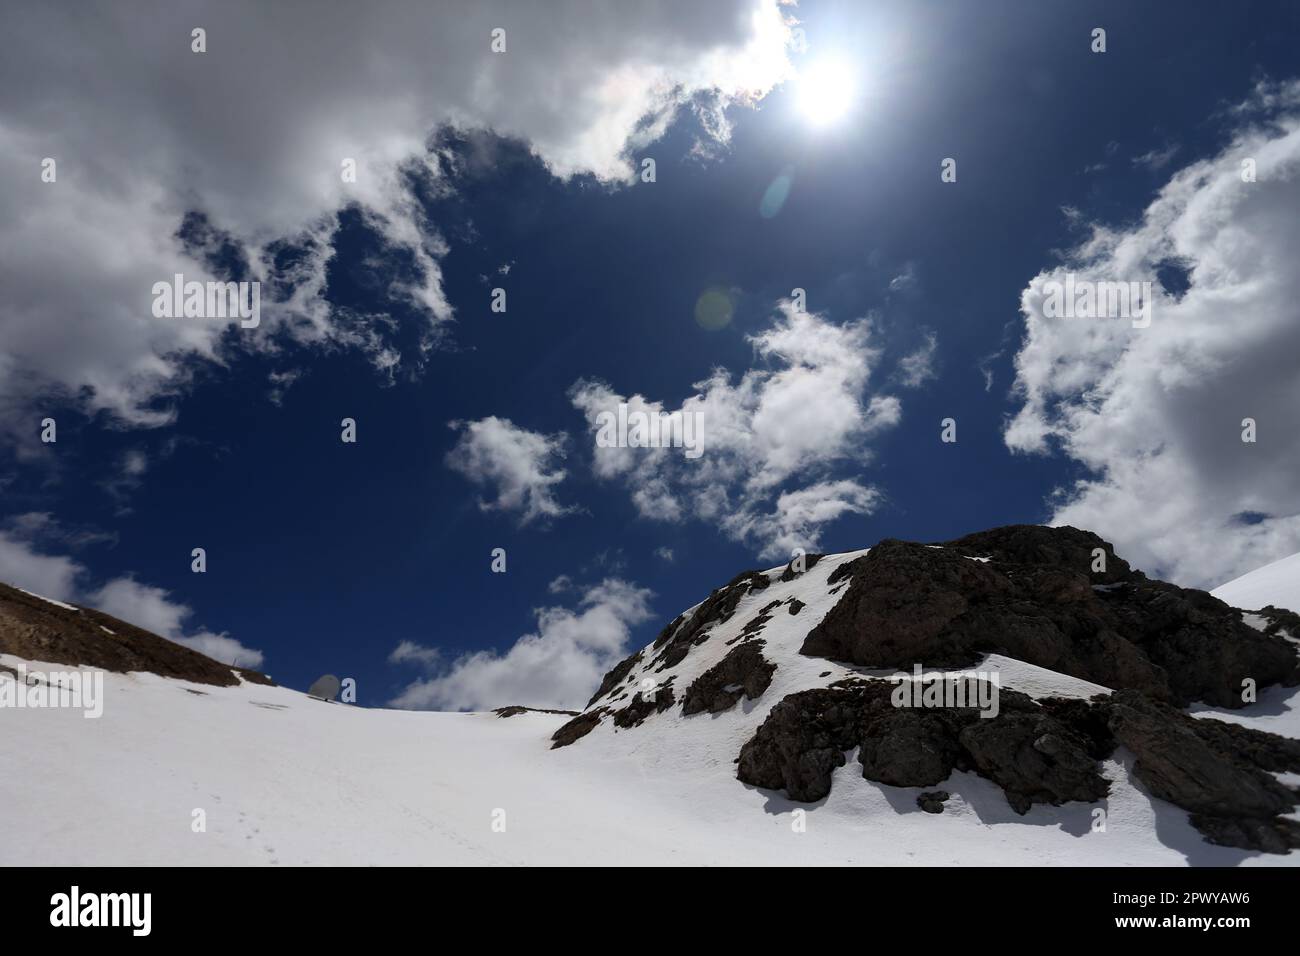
[(1277, 709), (40, 597), (1277, 584), (288, 780)]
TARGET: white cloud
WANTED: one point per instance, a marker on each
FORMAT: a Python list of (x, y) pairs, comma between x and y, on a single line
[(664, 554), (917, 368), (51, 576), (1157, 159), (520, 466), (557, 666), (253, 133), (906, 280), (154, 610), (791, 420), (1155, 413), (409, 652), (60, 577)]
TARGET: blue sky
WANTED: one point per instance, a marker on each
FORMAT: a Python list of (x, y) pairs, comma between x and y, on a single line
[(325, 556)]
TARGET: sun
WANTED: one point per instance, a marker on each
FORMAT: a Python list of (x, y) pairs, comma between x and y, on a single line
[(826, 91)]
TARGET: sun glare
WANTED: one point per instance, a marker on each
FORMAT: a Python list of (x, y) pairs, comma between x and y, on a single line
[(826, 91)]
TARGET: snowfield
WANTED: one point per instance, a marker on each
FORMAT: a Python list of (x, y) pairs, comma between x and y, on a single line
[(1278, 709), (284, 779), (1277, 584)]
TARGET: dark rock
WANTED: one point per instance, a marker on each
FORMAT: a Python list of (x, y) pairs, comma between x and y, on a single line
[(909, 603), (796, 606), (1036, 751), (34, 629), (743, 671), (801, 742), (1068, 548), (514, 710), (1034, 758), (642, 707), (1278, 835), (578, 727), (1280, 620), (809, 562), (1201, 768), (932, 801), (909, 748), (621, 670), (717, 608)]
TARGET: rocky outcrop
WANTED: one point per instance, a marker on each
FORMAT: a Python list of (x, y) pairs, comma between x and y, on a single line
[(809, 562), (578, 727), (1037, 752), (743, 672), (1059, 598), (1034, 756), (39, 630), (1214, 769), (620, 671), (932, 801), (676, 640), (1280, 621), (1035, 597), (644, 704), (514, 710)]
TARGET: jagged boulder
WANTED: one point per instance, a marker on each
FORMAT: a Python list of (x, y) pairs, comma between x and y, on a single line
[(1036, 751), (744, 671), (1036, 598)]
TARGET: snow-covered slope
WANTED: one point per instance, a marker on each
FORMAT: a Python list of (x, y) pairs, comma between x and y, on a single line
[(1277, 584), (286, 779)]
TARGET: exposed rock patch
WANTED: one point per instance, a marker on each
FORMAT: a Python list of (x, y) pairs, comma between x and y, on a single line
[(620, 670), (578, 727), (1280, 622), (1036, 599), (1214, 769), (932, 801), (35, 629), (743, 672), (514, 710), (676, 640), (809, 562), (642, 707), (1046, 752)]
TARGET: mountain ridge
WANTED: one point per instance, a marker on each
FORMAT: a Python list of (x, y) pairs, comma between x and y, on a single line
[(1127, 653)]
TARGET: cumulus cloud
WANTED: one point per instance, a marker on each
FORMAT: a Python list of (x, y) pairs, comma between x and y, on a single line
[(51, 576), (62, 578), (154, 609), (253, 134), (788, 421), (556, 666), (1156, 413), (519, 466)]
